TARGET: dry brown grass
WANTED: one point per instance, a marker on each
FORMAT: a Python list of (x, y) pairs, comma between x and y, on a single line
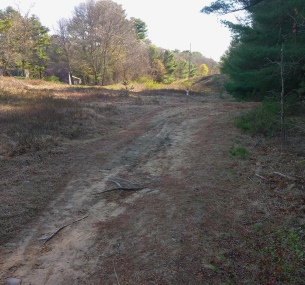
[(36, 126), (37, 119), (212, 221), (41, 123)]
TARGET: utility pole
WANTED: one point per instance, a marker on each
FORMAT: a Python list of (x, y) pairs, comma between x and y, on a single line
[(189, 74), (190, 55)]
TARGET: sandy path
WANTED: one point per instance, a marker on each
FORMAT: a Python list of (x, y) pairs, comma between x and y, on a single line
[(161, 148)]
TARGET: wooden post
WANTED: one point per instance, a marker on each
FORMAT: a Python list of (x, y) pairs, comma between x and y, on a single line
[(189, 74), (70, 79), (187, 95)]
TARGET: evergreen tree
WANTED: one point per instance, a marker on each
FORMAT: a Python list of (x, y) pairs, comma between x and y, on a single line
[(169, 62), (193, 70), (7, 51), (170, 66), (38, 59), (140, 27), (256, 47), (182, 69)]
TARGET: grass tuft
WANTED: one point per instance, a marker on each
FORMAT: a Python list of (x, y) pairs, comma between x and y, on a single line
[(241, 152)]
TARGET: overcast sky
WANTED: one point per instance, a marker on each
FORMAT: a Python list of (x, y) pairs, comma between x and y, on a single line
[(171, 24)]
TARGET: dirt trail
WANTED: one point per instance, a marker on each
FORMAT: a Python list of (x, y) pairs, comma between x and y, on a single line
[(151, 236)]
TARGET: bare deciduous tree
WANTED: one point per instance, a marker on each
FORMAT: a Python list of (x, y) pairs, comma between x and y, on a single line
[(100, 32), (63, 40)]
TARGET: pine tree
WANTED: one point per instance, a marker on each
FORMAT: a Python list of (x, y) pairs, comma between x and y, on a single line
[(38, 59), (170, 66), (140, 28), (182, 69), (256, 46), (169, 62)]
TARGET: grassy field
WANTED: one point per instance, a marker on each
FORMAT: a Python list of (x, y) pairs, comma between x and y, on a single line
[(220, 206)]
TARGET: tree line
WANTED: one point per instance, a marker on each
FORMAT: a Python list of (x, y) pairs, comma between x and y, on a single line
[(98, 44), (266, 57)]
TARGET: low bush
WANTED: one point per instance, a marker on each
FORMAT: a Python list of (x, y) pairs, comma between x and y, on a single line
[(264, 120), (169, 79), (52, 78), (239, 152), (149, 83), (187, 83)]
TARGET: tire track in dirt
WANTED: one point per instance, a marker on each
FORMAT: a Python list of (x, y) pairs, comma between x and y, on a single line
[(74, 255), (65, 254)]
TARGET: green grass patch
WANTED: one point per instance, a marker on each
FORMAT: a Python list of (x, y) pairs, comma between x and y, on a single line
[(281, 256), (241, 152)]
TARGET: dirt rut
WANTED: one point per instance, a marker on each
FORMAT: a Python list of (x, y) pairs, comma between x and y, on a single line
[(156, 151)]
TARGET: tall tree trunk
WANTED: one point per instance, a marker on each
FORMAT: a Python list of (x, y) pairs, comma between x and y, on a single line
[(95, 79), (104, 65), (282, 93), (23, 67)]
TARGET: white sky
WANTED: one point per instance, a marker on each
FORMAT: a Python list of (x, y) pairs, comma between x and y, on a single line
[(171, 24)]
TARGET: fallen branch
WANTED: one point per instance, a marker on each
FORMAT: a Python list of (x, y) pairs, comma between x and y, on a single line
[(261, 177), (129, 185), (61, 228), (116, 275), (288, 176), (127, 182), (280, 174), (125, 189), (117, 183), (294, 178), (121, 188)]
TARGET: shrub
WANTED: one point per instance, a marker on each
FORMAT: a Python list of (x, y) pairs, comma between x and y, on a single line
[(152, 85), (168, 79), (144, 79), (262, 120), (239, 152), (187, 83), (52, 78), (265, 119), (149, 83), (127, 88)]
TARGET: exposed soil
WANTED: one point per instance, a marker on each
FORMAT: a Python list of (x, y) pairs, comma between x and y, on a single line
[(190, 223)]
